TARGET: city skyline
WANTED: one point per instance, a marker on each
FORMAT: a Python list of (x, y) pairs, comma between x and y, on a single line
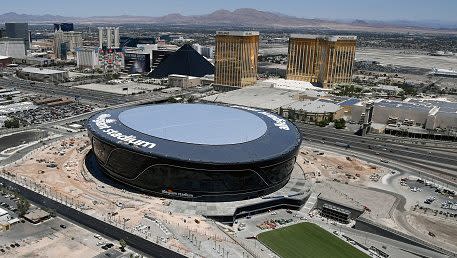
[(228, 128), (420, 10)]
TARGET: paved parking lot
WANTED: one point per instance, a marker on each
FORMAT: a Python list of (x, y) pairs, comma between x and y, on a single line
[(55, 237), (10, 203), (13, 140)]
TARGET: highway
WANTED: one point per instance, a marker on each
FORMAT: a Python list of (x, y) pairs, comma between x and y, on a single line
[(400, 167), (439, 162), (90, 96), (51, 89), (104, 99)]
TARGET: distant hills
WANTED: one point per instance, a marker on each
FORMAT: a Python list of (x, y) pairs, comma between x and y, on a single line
[(15, 17), (239, 17)]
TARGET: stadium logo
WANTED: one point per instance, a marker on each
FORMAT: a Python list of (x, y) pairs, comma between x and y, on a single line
[(279, 122), (103, 122), (177, 194)]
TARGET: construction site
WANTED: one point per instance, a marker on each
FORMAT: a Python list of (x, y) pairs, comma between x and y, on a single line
[(367, 190)]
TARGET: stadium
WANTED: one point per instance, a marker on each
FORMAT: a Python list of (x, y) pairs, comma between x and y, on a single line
[(197, 152)]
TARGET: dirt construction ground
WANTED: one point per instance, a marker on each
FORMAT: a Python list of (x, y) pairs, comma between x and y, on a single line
[(59, 168)]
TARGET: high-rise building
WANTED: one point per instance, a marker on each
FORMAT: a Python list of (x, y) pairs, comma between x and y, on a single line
[(72, 38), (321, 60), (111, 60), (236, 58), (135, 41), (63, 26), (58, 40), (108, 37), (87, 57), (207, 52), (158, 56), (18, 30), (135, 63), (12, 47), (64, 47)]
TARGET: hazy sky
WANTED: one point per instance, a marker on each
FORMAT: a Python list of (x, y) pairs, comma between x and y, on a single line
[(444, 10)]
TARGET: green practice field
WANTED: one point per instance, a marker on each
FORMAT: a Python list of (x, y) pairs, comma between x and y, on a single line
[(307, 240)]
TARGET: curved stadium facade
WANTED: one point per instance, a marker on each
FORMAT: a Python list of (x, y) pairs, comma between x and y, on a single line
[(196, 152)]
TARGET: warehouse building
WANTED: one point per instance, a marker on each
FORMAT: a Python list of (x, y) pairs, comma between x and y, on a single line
[(183, 81), (312, 111), (43, 75), (414, 117), (294, 101)]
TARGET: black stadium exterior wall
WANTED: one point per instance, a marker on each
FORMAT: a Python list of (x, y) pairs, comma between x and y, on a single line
[(196, 172), (188, 180)]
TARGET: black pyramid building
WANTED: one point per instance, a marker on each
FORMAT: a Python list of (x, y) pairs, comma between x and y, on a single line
[(185, 61)]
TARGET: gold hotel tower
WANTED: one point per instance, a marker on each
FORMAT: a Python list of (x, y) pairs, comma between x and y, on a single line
[(236, 58), (320, 59)]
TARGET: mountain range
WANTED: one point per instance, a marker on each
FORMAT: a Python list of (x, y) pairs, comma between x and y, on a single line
[(239, 17)]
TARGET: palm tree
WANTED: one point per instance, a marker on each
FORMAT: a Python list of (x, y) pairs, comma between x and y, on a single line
[(123, 244)]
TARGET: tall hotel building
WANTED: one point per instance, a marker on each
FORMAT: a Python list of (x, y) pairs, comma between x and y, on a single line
[(236, 58), (320, 59), (108, 37)]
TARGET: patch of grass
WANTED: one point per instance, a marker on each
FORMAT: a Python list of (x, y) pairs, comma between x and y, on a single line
[(307, 240)]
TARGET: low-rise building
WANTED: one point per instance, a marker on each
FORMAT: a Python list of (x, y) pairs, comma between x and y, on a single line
[(347, 106), (183, 81), (5, 61), (16, 107), (37, 215), (35, 61), (387, 90), (421, 116), (292, 104), (207, 79), (43, 75), (4, 218), (256, 96), (312, 111)]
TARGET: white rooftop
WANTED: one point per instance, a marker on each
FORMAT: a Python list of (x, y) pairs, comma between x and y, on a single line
[(256, 96), (41, 71), (292, 85), (388, 88), (238, 33), (263, 96), (444, 72), (315, 106), (183, 76), (3, 212), (329, 38), (16, 107)]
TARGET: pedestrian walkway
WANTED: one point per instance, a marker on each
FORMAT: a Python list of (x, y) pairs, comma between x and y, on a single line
[(310, 203)]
